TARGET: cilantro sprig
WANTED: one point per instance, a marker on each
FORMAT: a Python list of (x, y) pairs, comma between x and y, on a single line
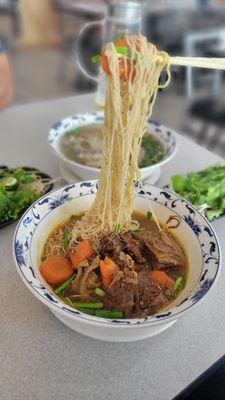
[(204, 189)]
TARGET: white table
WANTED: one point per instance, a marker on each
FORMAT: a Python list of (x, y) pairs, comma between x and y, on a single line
[(43, 359)]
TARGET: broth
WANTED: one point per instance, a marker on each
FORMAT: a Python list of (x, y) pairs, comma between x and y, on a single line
[(139, 271), (84, 145)]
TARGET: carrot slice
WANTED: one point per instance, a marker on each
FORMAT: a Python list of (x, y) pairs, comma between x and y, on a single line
[(108, 269), (56, 270), (105, 64), (121, 41), (83, 251), (161, 278), (124, 71)]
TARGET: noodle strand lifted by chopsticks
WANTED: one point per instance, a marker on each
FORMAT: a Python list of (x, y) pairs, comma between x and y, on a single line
[(129, 104)]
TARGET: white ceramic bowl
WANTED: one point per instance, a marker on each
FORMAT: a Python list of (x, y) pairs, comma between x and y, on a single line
[(164, 134), (195, 234)]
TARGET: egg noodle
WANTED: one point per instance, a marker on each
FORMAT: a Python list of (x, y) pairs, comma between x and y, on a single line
[(128, 106)]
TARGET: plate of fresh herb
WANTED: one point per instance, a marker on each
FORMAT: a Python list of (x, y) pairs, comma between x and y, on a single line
[(204, 189), (19, 188)]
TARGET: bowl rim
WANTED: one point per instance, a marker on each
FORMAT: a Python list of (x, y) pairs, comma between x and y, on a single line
[(73, 314), (56, 149)]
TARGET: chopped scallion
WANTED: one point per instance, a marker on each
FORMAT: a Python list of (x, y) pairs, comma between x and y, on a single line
[(86, 310), (64, 285), (95, 58), (109, 314), (86, 304), (124, 50), (66, 240), (99, 292), (179, 284), (117, 228), (149, 215)]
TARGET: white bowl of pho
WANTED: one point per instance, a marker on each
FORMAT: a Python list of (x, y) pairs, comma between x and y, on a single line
[(160, 274), (78, 142)]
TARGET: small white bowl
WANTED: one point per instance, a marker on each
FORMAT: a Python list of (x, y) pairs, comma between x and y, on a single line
[(164, 134), (195, 234)]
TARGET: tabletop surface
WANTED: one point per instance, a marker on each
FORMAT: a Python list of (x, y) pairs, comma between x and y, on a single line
[(42, 358)]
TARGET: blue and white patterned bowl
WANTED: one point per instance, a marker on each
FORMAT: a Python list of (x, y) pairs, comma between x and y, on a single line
[(195, 233), (166, 136)]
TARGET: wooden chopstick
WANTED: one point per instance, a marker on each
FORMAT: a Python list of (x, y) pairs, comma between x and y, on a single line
[(199, 62)]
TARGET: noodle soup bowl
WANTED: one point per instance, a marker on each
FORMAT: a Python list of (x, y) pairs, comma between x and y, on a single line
[(166, 136), (194, 232)]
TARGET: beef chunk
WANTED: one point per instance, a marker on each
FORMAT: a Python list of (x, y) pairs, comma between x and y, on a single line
[(120, 295), (151, 296), (109, 244), (122, 259), (114, 247), (164, 250), (133, 245)]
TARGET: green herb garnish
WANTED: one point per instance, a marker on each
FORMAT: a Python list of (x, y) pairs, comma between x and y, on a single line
[(14, 195), (149, 215), (96, 58), (117, 228), (66, 239), (90, 304), (86, 310), (204, 189), (109, 314), (64, 285), (123, 50), (179, 284), (154, 150), (99, 292)]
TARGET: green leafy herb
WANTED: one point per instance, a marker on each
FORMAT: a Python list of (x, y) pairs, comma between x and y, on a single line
[(178, 182), (149, 215), (66, 239), (9, 182), (179, 284), (24, 176), (14, 195), (204, 189), (64, 285), (117, 228)]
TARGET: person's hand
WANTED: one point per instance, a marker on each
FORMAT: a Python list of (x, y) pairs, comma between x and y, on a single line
[(6, 84)]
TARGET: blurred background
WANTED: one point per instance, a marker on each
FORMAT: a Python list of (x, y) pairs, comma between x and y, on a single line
[(39, 37)]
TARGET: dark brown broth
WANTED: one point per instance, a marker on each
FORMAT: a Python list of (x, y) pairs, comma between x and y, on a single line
[(146, 223)]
